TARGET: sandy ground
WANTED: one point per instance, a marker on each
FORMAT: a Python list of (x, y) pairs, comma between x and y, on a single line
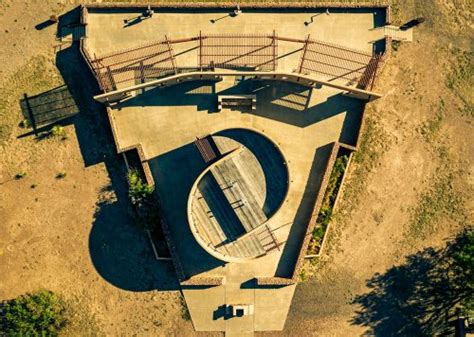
[(72, 235)]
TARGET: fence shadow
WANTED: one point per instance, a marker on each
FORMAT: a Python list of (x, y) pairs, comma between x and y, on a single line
[(417, 298), (48, 107)]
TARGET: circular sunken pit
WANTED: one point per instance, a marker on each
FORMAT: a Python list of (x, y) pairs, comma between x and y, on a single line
[(237, 193)]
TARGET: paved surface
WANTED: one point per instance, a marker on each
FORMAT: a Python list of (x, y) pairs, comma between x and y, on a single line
[(107, 33), (302, 122), (303, 134)]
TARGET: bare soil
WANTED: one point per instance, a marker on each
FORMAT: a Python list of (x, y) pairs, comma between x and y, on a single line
[(408, 189)]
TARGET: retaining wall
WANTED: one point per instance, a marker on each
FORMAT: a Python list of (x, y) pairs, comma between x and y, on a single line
[(216, 281)]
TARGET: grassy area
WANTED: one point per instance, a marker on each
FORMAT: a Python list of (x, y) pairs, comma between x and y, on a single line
[(38, 75), (439, 200), (373, 144), (38, 314), (460, 79), (325, 213), (430, 129)]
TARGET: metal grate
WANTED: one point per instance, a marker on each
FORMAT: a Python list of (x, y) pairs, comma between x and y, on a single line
[(135, 65), (258, 52), (336, 62)]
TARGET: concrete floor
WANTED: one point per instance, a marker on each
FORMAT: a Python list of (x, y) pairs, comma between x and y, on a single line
[(107, 32), (302, 122), (303, 130)]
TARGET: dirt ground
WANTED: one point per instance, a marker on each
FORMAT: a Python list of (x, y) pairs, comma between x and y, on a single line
[(408, 188)]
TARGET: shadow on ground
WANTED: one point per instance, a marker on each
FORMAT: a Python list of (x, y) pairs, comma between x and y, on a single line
[(418, 298), (120, 252)]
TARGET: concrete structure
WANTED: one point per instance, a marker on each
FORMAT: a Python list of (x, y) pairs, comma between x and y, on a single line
[(278, 154)]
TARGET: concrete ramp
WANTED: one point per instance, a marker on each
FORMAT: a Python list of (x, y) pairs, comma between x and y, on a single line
[(240, 334), (397, 34)]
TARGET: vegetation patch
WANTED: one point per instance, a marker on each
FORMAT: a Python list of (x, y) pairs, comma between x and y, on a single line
[(429, 129), (143, 200), (58, 131), (138, 190), (440, 199), (424, 295), (460, 79), (326, 210), (38, 314), (38, 75)]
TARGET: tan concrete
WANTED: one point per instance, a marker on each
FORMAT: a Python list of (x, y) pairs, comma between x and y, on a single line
[(353, 30), (300, 126), (301, 121), (107, 33)]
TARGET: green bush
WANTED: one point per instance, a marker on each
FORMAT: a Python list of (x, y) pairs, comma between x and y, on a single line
[(59, 132), (138, 190), (325, 212), (38, 314)]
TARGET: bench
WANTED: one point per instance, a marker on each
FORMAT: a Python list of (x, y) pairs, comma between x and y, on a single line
[(226, 101)]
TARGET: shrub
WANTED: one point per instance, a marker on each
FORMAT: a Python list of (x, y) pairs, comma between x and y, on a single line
[(138, 190), (20, 175), (58, 131), (38, 314), (61, 175), (325, 212), (25, 123)]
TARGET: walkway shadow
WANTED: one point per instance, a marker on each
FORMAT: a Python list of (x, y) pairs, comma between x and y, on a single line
[(292, 247), (175, 172), (198, 93), (417, 298)]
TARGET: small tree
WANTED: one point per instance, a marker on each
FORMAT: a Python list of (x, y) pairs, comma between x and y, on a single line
[(138, 190), (461, 270), (38, 314)]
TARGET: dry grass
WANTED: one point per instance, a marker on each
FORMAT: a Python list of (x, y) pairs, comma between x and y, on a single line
[(441, 199), (38, 75)]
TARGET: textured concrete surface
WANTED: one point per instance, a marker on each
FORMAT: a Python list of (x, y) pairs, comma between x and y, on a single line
[(302, 122)]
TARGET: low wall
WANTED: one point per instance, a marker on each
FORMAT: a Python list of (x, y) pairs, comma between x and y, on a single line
[(336, 201), (216, 281), (232, 5)]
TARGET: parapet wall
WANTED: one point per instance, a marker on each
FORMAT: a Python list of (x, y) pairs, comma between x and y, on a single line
[(216, 281)]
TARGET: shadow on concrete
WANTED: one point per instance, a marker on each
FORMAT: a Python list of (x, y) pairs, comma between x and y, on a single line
[(288, 103), (174, 173), (419, 297), (198, 93), (281, 101), (220, 312), (252, 284), (271, 161), (292, 247)]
